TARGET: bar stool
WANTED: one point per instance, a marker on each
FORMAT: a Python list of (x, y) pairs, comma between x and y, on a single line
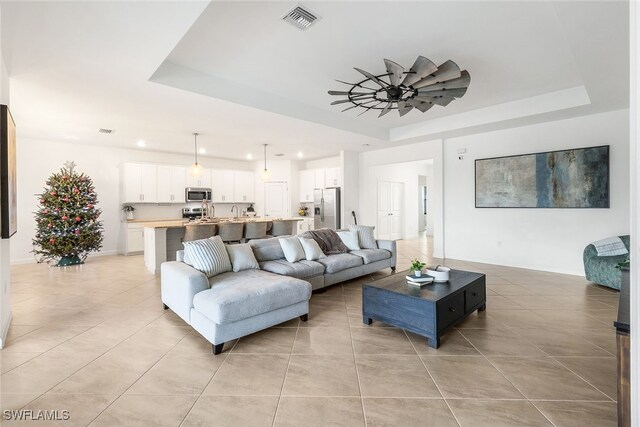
[(282, 228), (230, 231), (197, 232), (255, 230)]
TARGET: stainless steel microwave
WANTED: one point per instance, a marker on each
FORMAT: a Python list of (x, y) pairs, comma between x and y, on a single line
[(193, 194)]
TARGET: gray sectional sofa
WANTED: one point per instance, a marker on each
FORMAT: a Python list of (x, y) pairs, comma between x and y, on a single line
[(234, 304), (326, 271)]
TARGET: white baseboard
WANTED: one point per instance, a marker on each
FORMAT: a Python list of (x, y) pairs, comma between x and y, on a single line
[(33, 260), (525, 267)]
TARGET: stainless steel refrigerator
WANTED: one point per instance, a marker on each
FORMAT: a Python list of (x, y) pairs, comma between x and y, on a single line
[(326, 208)]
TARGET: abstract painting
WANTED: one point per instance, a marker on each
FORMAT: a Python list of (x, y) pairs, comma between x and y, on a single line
[(576, 178), (8, 212)]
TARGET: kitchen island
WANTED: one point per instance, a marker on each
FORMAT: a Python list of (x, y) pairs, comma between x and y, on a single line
[(163, 238)]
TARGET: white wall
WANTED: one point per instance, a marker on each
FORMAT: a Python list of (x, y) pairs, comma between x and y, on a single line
[(5, 276), (544, 239), (394, 164), (103, 165), (328, 162), (349, 193)]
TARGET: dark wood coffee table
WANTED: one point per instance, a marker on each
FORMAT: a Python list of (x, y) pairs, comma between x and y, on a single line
[(428, 311)]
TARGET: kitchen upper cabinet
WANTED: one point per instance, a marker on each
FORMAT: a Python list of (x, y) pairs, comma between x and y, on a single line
[(140, 184), (332, 177), (171, 184), (319, 178), (244, 184), (307, 185), (222, 186), (202, 181)]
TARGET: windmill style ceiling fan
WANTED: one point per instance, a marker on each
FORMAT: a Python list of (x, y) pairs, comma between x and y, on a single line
[(422, 87)]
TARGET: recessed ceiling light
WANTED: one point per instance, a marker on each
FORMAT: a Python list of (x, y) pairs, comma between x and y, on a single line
[(249, 156), (300, 155), (202, 151), (141, 143)]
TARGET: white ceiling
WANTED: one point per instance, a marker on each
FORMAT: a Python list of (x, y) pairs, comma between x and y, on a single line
[(237, 74)]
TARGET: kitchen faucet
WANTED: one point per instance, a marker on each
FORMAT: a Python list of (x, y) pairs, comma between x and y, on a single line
[(204, 209), (237, 214)]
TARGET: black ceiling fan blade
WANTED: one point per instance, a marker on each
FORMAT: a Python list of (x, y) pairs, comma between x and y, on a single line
[(441, 101), (395, 72), (386, 109), (420, 105), (404, 108), (460, 82), (372, 77), (455, 93), (347, 93), (420, 69), (447, 71)]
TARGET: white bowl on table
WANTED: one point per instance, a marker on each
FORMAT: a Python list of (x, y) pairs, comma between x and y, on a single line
[(440, 274)]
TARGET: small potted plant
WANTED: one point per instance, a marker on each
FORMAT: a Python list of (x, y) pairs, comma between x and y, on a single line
[(128, 210), (416, 267)]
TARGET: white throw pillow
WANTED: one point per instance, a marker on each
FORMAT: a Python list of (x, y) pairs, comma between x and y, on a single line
[(350, 239), (292, 248), (312, 251), (242, 257), (366, 239), (208, 256)]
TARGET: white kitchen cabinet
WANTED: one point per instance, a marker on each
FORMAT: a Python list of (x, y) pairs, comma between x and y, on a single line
[(222, 186), (202, 181), (171, 184), (319, 178), (140, 183), (244, 184), (134, 239), (305, 225), (332, 177), (307, 185)]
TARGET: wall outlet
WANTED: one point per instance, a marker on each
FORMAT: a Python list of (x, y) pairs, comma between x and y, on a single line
[(499, 243)]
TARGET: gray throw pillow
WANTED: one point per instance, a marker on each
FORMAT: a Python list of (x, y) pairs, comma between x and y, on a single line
[(242, 257), (366, 239), (312, 251), (292, 249), (350, 239), (208, 256)]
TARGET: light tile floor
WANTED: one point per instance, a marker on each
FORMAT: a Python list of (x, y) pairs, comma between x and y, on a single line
[(94, 340)]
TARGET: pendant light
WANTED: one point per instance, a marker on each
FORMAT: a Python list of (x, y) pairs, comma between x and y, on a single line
[(266, 173), (195, 169)]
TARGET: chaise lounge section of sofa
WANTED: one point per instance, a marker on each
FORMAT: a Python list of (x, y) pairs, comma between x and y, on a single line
[(235, 304)]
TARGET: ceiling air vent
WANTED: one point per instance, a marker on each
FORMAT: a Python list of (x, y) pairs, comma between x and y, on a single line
[(102, 130), (300, 17), (279, 154)]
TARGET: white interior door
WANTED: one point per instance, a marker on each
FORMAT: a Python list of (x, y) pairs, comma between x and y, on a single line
[(276, 200), (395, 219), (389, 225)]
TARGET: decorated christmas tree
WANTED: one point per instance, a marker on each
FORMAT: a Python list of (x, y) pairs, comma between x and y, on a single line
[(67, 219)]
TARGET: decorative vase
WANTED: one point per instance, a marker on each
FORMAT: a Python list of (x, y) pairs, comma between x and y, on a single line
[(129, 214), (417, 273), (69, 260)]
